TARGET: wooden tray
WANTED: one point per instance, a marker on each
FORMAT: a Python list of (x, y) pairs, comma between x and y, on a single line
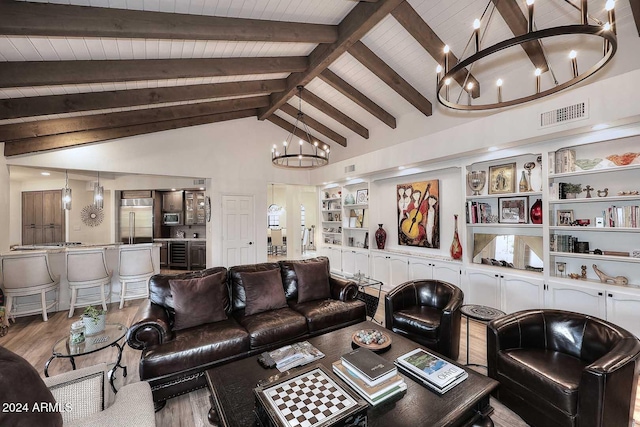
[(372, 346)]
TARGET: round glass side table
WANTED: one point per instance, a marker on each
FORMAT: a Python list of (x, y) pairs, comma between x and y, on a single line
[(482, 314), (112, 333)]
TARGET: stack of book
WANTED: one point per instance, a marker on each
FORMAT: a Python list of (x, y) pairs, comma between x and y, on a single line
[(478, 212), (374, 378), (430, 370), (565, 161)]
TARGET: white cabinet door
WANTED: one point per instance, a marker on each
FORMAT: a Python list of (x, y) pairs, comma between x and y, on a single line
[(362, 263), (380, 269), (348, 261), (483, 288), (521, 292), (623, 309), (576, 297), (447, 272), (420, 269), (399, 268), (335, 259)]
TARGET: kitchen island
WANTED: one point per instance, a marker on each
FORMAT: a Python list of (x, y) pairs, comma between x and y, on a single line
[(57, 263)]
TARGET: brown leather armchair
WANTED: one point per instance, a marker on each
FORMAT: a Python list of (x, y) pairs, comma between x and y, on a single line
[(559, 368), (427, 312)]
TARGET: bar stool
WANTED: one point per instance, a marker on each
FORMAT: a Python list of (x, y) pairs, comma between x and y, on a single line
[(28, 274), (87, 268), (135, 265)]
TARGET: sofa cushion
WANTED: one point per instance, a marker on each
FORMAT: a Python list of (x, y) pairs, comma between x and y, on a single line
[(552, 375), (289, 277), (160, 290), (195, 347), (328, 313), (237, 284), (21, 384), (263, 291), (418, 320), (313, 281), (273, 326), (199, 300)]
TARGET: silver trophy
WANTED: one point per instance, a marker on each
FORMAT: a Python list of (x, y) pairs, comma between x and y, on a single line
[(476, 181)]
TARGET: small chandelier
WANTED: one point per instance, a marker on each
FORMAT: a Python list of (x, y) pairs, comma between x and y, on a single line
[(309, 155), (98, 194), (66, 193), (460, 73)]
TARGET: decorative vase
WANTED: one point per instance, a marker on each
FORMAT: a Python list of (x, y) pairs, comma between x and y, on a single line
[(381, 237), (535, 213), (524, 184), (456, 247), (92, 327)]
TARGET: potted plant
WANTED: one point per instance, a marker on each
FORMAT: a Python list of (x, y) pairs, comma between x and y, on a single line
[(94, 320), (570, 190)]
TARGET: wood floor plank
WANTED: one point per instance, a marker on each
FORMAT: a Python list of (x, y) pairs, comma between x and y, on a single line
[(33, 339)]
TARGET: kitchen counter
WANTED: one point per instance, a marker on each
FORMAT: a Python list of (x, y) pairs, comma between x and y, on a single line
[(57, 248), (179, 239)]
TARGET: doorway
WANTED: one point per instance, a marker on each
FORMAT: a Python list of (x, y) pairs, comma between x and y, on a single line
[(238, 230)]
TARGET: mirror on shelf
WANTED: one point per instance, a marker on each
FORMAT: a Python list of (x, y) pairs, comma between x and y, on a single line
[(508, 250)]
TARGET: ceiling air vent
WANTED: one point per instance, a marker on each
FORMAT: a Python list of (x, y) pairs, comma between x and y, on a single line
[(350, 168), (562, 115), (198, 182)]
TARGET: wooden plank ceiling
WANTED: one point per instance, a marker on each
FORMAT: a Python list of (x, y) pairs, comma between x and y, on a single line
[(73, 74)]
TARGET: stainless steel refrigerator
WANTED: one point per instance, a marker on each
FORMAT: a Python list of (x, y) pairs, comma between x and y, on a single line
[(136, 221)]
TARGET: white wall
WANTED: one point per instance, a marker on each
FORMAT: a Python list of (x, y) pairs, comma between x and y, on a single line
[(5, 206)]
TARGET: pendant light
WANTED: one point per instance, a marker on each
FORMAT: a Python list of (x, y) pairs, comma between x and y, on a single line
[(98, 194), (66, 193)]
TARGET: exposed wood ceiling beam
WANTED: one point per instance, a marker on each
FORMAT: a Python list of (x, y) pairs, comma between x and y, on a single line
[(16, 131), (32, 145), (39, 73), (515, 19), (362, 18), (334, 113), (422, 32), (377, 66), (635, 9), (358, 97), (279, 121), (11, 108), (21, 18), (314, 124)]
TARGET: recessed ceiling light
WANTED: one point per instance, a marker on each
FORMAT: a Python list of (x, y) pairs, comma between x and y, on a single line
[(173, 189), (492, 148), (45, 173), (201, 188), (599, 126), (400, 167)]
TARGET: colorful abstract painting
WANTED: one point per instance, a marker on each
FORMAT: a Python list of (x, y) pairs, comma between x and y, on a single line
[(419, 214)]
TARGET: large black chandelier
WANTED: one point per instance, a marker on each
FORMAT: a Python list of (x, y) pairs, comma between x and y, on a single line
[(460, 74), (308, 154)]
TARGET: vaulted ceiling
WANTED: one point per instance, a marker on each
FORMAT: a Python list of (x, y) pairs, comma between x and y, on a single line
[(83, 71)]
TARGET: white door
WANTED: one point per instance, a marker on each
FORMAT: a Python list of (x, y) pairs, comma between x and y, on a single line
[(483, 288), (622, 309), (447, 272), (238, 230), (574, 297), (420, 269), (521, 293)]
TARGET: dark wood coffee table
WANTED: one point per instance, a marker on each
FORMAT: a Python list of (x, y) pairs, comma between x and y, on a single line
[(232, 385)]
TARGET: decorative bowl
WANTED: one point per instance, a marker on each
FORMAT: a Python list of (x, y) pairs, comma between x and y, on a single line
[(623, 159), (373, 339), (587, 164)]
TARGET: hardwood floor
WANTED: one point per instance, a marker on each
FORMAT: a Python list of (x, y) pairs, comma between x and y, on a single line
[(33, 339)]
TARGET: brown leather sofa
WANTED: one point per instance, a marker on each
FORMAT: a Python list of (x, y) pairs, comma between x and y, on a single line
[(174, 361), (558, 368), (427, 312)]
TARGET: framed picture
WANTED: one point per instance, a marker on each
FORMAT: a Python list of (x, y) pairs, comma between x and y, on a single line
[(362, 196), (513, 210), (564, 217), (419, 214), (502, 179)]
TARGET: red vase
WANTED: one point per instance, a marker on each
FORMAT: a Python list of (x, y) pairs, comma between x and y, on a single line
[(536, 212), (381, 237), (456, 247)]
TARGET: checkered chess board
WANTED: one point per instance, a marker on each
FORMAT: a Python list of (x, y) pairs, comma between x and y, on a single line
[(308, 400)]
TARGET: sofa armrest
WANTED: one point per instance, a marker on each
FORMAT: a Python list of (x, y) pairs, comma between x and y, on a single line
[(343, 289), (609, 384), (402, 296), (150, 327)]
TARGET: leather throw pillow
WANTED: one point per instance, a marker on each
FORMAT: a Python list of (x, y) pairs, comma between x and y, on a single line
[(313, 281), (199, 301), (263, 291), (21, 385)]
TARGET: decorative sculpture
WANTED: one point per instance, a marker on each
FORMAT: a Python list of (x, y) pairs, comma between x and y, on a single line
[(603, 193), (604, 278), (588, 189)]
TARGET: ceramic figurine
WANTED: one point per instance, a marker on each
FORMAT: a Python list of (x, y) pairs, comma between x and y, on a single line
[(604, 278), (603, 193)]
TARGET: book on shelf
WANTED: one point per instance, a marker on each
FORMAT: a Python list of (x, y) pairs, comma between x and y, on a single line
[(293, 355), (478, 212), (372, 394), (431, 370), (565, 160), (369, 366)]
